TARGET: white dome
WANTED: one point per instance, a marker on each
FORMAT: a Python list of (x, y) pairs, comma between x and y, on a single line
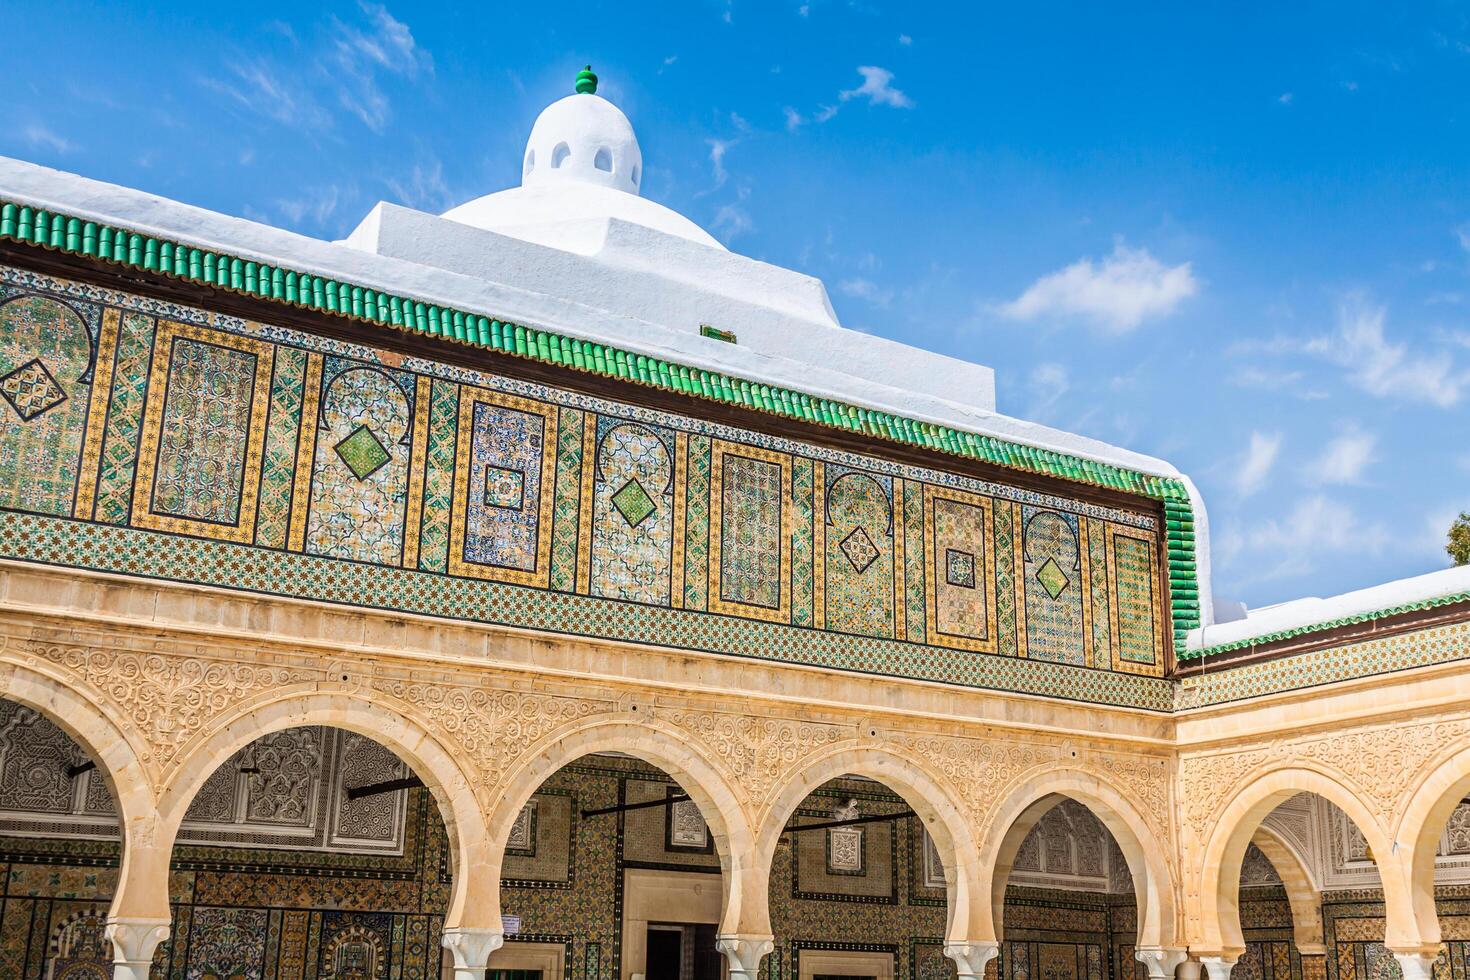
[(582, 166), (583, 138)]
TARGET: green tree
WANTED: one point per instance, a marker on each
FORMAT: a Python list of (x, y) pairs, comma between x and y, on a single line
[(1458, 544)]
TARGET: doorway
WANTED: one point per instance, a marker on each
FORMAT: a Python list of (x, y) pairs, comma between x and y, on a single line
[(677, 951)]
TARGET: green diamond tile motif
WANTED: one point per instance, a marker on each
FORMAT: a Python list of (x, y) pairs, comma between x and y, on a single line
[(859, 549), (1052, 578), (363, 452), (31, 390), (634, 503), (959, 568)]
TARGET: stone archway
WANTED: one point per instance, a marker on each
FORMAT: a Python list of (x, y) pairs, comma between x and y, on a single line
[(387, 721), (1428, 811), (1302, 893), (138, 916), (1148, 864), (743, 933), (707, 784), (1220, 939), (969, 939)]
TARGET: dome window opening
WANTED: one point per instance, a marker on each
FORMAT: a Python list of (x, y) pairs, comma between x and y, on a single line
[(530, 161), (636, 170), (559, 156), (603, 160)]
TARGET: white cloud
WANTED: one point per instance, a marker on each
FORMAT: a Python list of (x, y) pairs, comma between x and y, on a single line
[(40, 138), (348, 71), (732, 220), (318, 204), (717, 151), (1344, 459), (866, 289), (877, 88), (1384, 369), (824, 112), (1316, 527), (905, 40), (1285, 98), (1255, 465), (424, 188), (357, 56), (794, 120), (1049, 382), (1118, 293)]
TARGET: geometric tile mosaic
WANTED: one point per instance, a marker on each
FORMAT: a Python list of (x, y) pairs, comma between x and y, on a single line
[(647, 525)]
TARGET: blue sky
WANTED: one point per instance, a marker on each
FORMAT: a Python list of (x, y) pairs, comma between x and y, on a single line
[(1237, 239)]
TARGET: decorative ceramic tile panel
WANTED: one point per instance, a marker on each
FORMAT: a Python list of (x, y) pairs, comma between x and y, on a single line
[(359, 482), (1055, 586), (633, 513), (203, 433), (750, 548), (858, 530), (960, 561), (347, 464), (1136, 613), (45, 368), (495, 536)]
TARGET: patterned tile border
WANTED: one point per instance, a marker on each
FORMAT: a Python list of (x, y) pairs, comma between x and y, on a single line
[(1401, 651), (129, 551)]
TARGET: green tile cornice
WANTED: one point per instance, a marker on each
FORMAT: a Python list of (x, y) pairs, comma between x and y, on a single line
[(1330, 624), (109, 243)]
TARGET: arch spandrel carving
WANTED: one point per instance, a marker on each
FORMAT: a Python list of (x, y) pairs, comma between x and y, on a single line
[(167, 699), (758, 751)]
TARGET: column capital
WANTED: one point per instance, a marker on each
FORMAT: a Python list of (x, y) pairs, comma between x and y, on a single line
[(471, 949), (1218, 967), (1161, 961), (133, 942), (972, 956), (744, 954), (1416, 964)]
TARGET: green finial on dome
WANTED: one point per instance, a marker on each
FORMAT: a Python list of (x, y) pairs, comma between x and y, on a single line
[(586, 82)]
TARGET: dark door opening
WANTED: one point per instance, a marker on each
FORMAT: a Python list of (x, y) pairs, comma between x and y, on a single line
[(665, 953), (683, 952)]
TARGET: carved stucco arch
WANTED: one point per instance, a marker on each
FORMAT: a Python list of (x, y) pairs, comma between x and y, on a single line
[(388, 721), (670, 748), (1028, 801), (1220, 861), (1425, 815), (116, 748), (1302, 893), (927, 793)]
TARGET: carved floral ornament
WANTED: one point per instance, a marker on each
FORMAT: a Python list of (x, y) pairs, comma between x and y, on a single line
[(1380, 766)]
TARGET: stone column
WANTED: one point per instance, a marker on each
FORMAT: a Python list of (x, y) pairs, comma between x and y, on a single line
[(1188, 970), (471, 949), (744, 954), (1416, 964), (1161, 961), (971, 957), (1218, 967), (133, 943)]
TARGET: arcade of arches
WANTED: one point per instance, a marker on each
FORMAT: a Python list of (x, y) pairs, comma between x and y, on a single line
[(176, 796)]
